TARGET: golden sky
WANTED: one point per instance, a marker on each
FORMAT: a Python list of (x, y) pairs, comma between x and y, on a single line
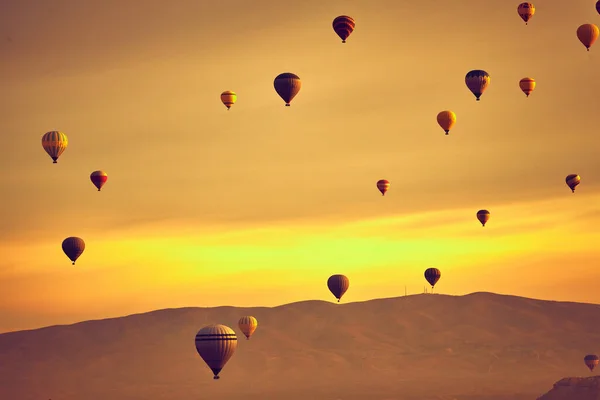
[(260, 204)]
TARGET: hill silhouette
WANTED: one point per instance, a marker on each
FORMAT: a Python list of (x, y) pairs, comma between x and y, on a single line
[(574, 388), (481, 345)]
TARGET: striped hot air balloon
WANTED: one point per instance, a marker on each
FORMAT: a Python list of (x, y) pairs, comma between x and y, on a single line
[(483, 216), (228, 98), (446, 119), (98, 178), (526, 11), (527, 85), (287, 86), (73, 247), (383, 186), (216, 344), (338, 285), (587, 35), (343, 26), (248, 325), (55, 143), (432, 275), (572, 181), (477, 81)]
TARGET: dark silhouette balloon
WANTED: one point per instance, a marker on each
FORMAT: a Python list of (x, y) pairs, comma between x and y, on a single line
[(343, 26), (483, 216), (287, 86), (338, 285), (477, 81), (572, 181), (216, 344), (432, 275), (73, 247), (98, 178), (383, 186), (591, 360), (526, 11)]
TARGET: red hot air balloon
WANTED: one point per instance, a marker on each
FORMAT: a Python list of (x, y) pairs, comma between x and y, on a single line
[(287, 86), (343, 26), (338, 285), (383, 186), (98, 178), (432, 275)]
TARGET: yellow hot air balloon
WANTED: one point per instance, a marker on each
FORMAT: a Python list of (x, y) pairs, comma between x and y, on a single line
[(248, 325), (446, 119), (526, 11), (527, 85), (228, 98), (587, 35), (55, 143)]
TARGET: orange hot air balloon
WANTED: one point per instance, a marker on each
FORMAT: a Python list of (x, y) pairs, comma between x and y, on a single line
[(216, 344), (446, 119), (572, 181), (287, 86), (383, 186), (591, 361), (483, 216), (343, 26), (98, 178), (228, 98), (248, 325), (477, 81), (54, 143), (587, 35), (526, 11), (527, 85), (73, 247), (432, 275), (338, 285)]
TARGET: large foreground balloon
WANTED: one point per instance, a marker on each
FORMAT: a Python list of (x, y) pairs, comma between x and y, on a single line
[(432, 275), (343, 26), (228, 98), (55, 143), (572, 181), (248, 325), (591, 360), (98, 178), (477, 81), (587, 35), (287, 86), (598, 6), (73, 247), (527, 85), (338, 285), (483, 216), (383, 186), (446, 119), (216, 344), (526, 11)]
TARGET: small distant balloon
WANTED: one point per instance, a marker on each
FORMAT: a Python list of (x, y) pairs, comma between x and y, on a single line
[(383, 186), (287, 86), (248, 325), (483, 216), (432, 275), (587, 35), (477, 81), (228, 98), (572, 181), (446, 119), (343, 26), (216, 344), (55, 143), (338, 285), (98, 178), (527, 85), (526, 11), (73, 247), (591, 361)]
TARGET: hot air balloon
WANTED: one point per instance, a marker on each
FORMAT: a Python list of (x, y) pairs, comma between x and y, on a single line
[(598, 6), (248, 325), (73, 247), (572, 181), (587, 34), (287, 86), (55, 143), (483, 216), (527, 85), (383, 186), (228, 98), (338, 285), (343, 26), (432, 275), (446, 119), (98, 178), (477, 81), (216, 344), (526, 11), (591, 360)]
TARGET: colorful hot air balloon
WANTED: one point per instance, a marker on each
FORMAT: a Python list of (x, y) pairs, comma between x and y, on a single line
[(572, 181), (73, 247), (98, 178), (483, 216), (526, 11), (55, 143), (432, 275), (527, 85), (343, 26), (287, 86), (338, 285), (587, 35), (228, 98), (446, 119), (477, 81), (383, 186), (216, 344), (248, 325), (591, 360)]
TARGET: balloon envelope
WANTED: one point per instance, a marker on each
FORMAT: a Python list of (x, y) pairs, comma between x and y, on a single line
[(432, 275), (383, 186), (591, 360), (55, 143), (477, 81), (587, 35), (216, 344), (287, 86), (248, 325), (446, 119), (98, 178), (228, 98), (527, 85), (73, 247), (483, 216), (526, 11), (343, 26), (338, 285), (572, 181)]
